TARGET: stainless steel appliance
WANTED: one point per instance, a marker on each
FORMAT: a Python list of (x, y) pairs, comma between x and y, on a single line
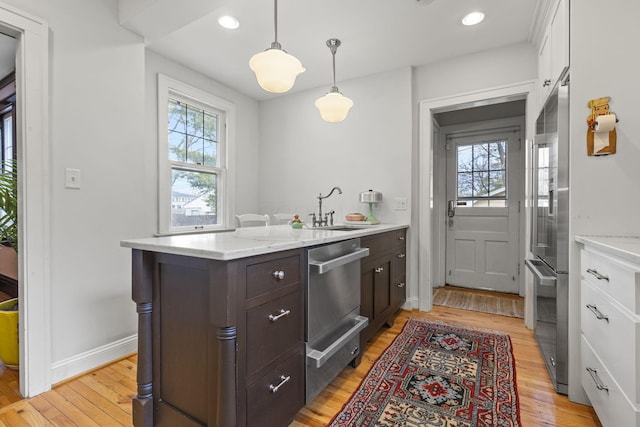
[(550, 233), (333, 321)]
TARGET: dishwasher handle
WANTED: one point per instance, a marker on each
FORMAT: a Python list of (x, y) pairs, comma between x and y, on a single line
[(324, 266), (319, 357)]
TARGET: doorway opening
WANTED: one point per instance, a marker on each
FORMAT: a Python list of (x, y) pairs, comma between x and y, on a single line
[(502, 108)]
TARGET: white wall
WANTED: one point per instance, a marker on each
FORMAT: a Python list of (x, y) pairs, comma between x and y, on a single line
[(480, 71), (245, 193), (302, 156), (603, 190), (96, 125)]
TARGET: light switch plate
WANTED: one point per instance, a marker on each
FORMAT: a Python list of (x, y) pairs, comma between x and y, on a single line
[(401, 204), (72, 178)]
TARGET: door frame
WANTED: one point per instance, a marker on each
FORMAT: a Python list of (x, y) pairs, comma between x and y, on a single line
[(440, 177), (32, 140), (427, 206)]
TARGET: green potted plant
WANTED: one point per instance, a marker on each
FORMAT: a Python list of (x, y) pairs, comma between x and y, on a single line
[(9, 352)]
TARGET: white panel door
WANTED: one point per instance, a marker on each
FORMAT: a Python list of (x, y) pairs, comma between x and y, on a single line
[(483, 185)]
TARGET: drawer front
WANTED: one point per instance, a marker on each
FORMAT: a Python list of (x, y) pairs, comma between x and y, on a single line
[(272, 329), (613, 337), (615, 278), (611, 405), (266, 407), (265, 277), (384, 242)]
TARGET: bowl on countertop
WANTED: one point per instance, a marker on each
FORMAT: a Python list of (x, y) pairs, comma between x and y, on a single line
[(355, 217)]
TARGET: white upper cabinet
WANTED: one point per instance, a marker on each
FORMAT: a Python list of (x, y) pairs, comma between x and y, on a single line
[(553, 55)]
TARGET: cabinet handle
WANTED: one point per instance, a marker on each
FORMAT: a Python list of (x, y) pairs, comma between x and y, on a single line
[(279, 274), (401, 238), (379, 270), (596, 379), (277, 317), (597, 275), (402, 255), (401, 285), (598, 314), (355, 351), (283, 381), (546, 83)]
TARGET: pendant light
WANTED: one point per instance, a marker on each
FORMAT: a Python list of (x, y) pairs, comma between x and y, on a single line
[(275, 69), (334, 106)]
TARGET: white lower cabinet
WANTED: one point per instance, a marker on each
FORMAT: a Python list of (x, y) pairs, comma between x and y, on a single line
[(610, 326)]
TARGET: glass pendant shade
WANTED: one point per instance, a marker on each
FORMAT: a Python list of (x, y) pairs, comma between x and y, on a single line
[(334, 107), (275, 69)]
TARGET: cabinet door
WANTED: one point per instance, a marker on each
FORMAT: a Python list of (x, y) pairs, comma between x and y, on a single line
[(382, 296), (544, 68), (559, 41)]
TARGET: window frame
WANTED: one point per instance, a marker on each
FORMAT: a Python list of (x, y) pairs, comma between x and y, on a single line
[(169, 88)]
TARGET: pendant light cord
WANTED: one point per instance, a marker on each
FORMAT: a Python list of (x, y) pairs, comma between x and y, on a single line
[(275, 21)]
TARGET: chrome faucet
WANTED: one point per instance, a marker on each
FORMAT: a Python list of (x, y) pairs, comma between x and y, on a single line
[(328, 217)]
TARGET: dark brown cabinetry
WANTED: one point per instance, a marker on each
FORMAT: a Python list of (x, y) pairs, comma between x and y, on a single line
[(383, 288), (219, 342)]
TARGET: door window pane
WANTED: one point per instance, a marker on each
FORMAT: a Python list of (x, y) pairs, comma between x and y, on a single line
[(482, 173)]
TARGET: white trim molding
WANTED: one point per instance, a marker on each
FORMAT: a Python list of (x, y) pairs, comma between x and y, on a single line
[(32, 133), (87, 361)]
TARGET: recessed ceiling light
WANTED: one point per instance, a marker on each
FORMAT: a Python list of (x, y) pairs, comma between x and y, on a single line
[(228, 22), (473, 18)]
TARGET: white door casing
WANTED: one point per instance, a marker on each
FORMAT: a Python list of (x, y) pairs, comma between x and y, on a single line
[(32, 137), (483, 188)]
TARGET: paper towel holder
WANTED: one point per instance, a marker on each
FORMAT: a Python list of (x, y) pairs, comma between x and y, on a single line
[(600, 107)]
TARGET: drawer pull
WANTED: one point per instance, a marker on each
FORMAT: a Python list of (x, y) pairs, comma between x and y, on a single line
[(283, 381), (401, 285), (402, 255), (401, 238), (355, 351), (278, 274), (596, 379), (379, 270), (597, 275), (598, 313), (283, 313)]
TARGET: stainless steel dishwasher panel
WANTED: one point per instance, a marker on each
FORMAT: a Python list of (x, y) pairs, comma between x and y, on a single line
[(333, 287), (333, 322)]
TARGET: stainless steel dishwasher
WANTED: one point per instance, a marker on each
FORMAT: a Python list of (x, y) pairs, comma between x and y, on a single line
[(333, 322)]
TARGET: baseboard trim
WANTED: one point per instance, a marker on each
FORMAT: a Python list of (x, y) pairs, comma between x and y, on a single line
[(89, 360), (412, 303)]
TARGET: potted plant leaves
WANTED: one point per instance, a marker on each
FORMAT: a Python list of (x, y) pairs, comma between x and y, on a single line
[(9, 352)]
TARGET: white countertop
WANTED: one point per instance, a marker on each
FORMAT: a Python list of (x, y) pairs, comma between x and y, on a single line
[(627, 248), (250, 241)]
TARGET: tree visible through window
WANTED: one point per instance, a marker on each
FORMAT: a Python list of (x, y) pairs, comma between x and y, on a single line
[(482, 174), (193, 154)]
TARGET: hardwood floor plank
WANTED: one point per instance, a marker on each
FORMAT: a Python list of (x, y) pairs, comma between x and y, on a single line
[(50, 412), (98, 415), (69, 409), (99, 400)]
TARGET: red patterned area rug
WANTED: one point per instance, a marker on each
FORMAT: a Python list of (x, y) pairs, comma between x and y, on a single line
[(437, 374)]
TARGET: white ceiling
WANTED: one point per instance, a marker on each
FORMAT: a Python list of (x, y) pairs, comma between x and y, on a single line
[(376, 35)]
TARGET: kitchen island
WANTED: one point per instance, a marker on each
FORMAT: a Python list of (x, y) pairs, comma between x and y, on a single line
[(208, 350)]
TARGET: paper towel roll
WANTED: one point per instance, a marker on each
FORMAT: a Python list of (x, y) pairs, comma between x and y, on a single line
[(604, 124)]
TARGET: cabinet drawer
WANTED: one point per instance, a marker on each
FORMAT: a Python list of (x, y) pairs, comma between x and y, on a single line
[(266, 407), (272, 329), (617, 279), (614, 337), (611, 405), (384, 242), (264, 277)]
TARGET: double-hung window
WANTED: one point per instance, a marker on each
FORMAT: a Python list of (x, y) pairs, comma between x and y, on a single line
[(195, 137)]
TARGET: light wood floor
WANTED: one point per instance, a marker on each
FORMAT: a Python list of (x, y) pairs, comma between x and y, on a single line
[(103, 397)]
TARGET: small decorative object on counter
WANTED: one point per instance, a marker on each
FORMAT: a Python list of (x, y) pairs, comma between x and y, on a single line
[(355, 217), (371, 197), (295, 222)]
